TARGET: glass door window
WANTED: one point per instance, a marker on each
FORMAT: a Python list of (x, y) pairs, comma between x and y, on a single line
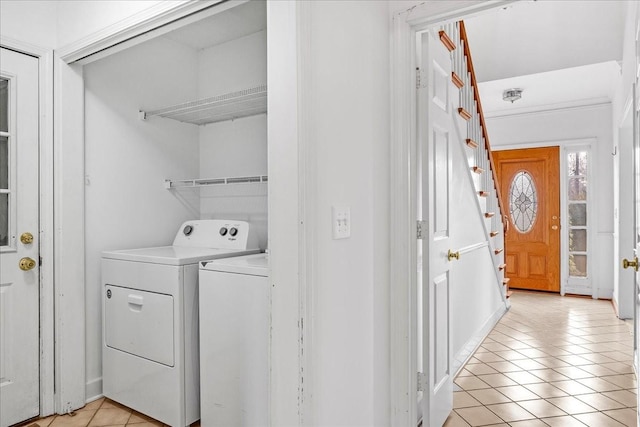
[(5, 192)]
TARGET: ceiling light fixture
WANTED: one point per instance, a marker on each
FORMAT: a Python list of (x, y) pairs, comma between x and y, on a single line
[(512, 95)]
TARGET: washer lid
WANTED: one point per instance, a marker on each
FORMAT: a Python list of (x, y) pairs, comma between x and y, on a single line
[(254, 265), (174, 255)]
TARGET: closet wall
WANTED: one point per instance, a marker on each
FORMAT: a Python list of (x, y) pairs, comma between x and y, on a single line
[(128, 159)]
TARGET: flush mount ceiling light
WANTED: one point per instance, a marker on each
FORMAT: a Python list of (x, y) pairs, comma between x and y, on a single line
[(512, 94)]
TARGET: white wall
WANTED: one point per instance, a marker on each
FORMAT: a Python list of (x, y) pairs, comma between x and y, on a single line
[(79, 19), (349, 138), (476, 292), (32, 22), (127, 160), (238, 147), (560, 127)]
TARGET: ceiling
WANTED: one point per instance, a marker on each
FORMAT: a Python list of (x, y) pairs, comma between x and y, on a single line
[(233, 23), (561, 53)]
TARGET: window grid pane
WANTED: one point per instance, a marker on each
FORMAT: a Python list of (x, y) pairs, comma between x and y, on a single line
[(4, 105), (4, 219)]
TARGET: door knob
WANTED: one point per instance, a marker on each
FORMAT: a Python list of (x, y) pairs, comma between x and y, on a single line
[(453, 255), (626, 263), (26, 238), (27, 264)]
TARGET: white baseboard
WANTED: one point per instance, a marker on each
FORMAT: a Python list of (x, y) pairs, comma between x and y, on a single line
[(472, 345), (93, 390)]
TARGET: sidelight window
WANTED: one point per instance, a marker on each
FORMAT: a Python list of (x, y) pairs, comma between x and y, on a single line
[(577, 210)]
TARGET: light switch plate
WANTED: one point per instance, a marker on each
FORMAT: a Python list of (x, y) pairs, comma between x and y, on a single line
[(341, 219)]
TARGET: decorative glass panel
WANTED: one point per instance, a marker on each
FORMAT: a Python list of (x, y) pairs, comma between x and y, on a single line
[(577, 214), (578, 188), (578, 265), (577, 240), (4, 219), (523, 202), (4, 105), (577, 163)]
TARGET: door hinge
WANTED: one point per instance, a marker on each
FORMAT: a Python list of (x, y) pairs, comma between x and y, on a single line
[(421, 80), (422, 381), (40, 261), (421, 227)]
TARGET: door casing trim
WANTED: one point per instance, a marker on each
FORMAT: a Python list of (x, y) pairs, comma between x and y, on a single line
[(403, 260)]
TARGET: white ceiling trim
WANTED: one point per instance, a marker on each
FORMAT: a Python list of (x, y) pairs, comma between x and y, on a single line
[(149, 23), (570, 105)]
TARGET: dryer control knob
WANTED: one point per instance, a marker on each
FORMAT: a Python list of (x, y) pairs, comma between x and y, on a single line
[(223, 231), (233, 231)]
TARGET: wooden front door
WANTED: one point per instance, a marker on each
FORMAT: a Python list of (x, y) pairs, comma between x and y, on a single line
[(530, 187)]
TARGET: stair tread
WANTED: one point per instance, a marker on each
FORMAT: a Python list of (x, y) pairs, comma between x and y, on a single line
[(493, 234), (464, 113), (502, 266), (506, 280), (446, 40), (456, 80)]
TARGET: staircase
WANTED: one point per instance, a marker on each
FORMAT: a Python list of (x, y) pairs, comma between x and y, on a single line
[(477, 148)]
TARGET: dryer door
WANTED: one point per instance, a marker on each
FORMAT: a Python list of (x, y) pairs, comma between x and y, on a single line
[(139, 323)]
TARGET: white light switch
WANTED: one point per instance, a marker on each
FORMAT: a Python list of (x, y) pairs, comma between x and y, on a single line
[(341, 222)]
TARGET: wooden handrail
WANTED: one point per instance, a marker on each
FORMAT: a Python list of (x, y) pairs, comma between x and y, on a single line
[(476, 96)]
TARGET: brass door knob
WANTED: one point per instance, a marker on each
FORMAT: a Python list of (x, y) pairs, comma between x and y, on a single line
[(27, 264), (634, 264), (26, 238), (453, 255)]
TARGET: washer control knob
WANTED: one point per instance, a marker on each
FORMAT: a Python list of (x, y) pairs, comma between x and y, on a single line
[(223, 231), (233, 231), (187, 230)]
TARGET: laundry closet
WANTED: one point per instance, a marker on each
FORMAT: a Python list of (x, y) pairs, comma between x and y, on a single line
[(175, 130)]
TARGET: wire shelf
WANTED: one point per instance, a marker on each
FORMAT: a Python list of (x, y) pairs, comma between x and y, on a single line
[(203, 182), (230, 106)]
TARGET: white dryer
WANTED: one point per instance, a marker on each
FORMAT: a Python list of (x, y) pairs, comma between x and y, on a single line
[(234, 340), (150, 319)]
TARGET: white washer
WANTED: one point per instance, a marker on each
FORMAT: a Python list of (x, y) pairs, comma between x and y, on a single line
[(150, 319), (234, 340)]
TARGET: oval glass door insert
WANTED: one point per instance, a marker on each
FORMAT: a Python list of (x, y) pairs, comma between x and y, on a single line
[(523, 201)]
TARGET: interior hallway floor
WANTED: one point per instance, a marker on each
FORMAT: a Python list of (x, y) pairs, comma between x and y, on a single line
[(550, 361), (99, 413)]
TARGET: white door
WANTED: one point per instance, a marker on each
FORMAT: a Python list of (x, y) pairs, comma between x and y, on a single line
[(435, 166), (19, 270), (636, 230)]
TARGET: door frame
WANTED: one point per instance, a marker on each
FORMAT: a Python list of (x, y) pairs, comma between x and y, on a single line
[(46, 228), (564, 145), (291, 240), (403, 175)]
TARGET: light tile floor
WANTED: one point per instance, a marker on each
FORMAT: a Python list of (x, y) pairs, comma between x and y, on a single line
[(550, 361), (99, 413)]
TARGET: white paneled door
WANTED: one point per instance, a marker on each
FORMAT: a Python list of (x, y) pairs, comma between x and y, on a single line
[(19, 256), (435, 165)]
